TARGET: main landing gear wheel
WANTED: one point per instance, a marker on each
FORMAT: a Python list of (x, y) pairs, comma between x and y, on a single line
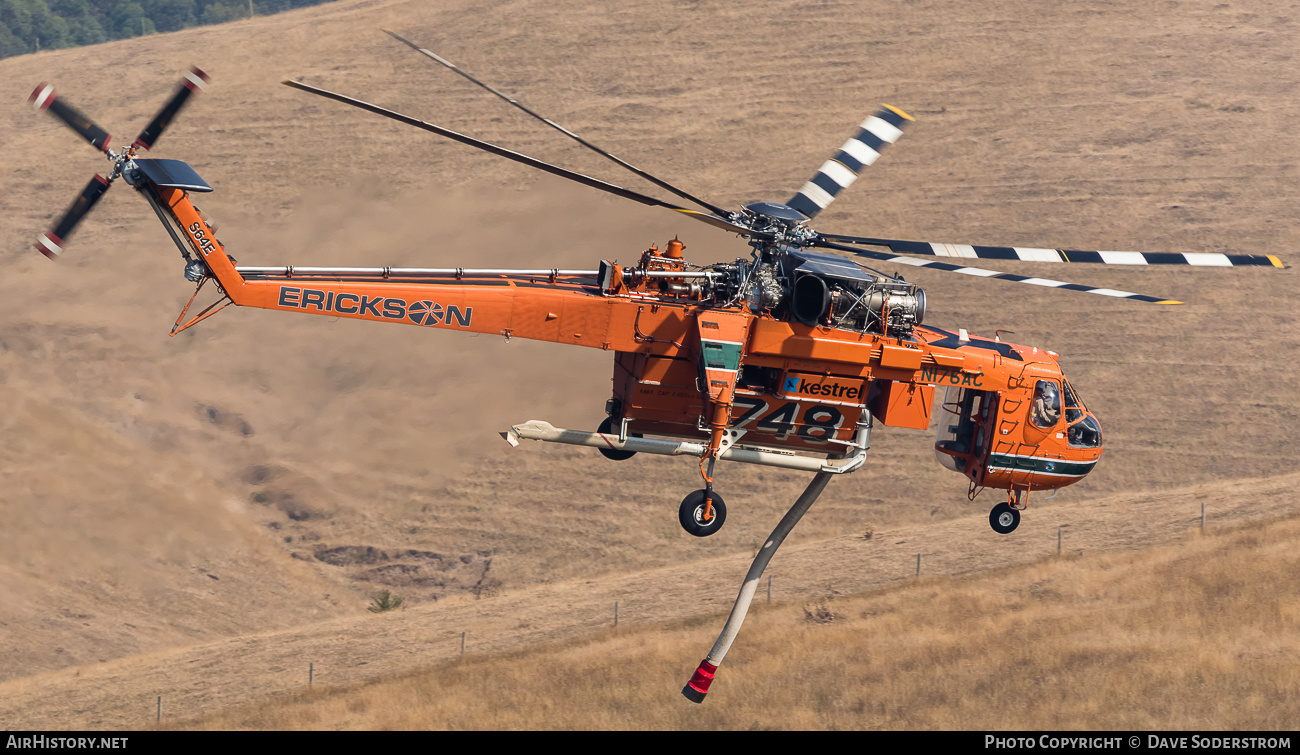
[(614, 454), (691, 514), (1004, 519)]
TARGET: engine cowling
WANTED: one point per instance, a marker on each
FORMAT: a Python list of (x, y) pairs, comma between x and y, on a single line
[(874, 305)]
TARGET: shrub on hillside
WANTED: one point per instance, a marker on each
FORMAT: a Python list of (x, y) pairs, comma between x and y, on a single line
[(384, 601)]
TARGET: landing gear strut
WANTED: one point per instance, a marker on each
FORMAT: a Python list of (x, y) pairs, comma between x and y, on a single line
[(691, 514)]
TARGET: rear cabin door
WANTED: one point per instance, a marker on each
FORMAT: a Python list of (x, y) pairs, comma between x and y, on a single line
[(966, 425)]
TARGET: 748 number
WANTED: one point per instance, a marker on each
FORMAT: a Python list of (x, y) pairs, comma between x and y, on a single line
[(818, 424)]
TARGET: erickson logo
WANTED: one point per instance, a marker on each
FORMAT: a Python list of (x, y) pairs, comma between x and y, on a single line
[(357, 305)]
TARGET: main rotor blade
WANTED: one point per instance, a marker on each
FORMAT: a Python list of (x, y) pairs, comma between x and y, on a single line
[(837, 173), (193, 81), (44, 98), (51, 242), (982, 273), (555, 170), (1199, 259), (657, 182)]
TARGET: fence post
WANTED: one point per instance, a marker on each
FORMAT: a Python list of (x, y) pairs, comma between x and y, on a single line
[(616, 613), (311, 673)]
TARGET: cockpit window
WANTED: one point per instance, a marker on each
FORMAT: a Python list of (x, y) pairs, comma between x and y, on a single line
[(1074, 409), (1047, 404), (1082, 428), (1085, 433)]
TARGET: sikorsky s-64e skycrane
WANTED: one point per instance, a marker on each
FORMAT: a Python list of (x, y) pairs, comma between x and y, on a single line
[(783, 358)]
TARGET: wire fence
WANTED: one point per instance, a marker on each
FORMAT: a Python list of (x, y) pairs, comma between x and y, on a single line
[(615, 612)]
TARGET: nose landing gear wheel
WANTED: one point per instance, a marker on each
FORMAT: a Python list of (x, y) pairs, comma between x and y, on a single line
[(1003, 519), (691, 514), (614, 454)]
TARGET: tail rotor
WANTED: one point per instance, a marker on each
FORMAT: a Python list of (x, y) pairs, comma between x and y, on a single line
[(51, 242)]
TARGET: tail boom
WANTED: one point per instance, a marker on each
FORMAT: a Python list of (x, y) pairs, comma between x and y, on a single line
[(556, 306)]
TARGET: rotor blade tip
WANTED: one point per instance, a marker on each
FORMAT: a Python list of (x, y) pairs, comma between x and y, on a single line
[(42, 96), (1168, 301), (195, 79), (48, 244), (1276, 262), (899, 112)]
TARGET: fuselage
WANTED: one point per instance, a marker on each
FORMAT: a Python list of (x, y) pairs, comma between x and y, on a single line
[(1008, 418)]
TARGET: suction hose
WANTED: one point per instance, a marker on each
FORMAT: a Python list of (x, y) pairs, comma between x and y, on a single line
[(698, 686)]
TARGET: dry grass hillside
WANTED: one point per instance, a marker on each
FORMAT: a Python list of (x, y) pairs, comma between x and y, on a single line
[(206, 681), (264, 471), (1007, 651)]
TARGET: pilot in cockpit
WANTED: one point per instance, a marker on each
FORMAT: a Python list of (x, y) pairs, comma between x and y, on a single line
[(1047, 404)]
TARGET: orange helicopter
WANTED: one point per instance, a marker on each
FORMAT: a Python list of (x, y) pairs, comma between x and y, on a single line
[(785, 358)]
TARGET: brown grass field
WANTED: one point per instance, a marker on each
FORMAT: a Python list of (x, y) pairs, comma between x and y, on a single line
[(172, 505), (1199, 634)]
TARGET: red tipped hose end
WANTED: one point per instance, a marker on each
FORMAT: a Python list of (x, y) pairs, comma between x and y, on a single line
[(698, 686)]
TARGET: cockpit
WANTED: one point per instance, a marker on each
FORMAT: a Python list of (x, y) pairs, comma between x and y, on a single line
[(1021, 431), (1081, 429), (1024, 438)]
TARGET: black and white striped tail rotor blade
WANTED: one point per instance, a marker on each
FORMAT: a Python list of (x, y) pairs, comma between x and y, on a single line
[(194, 81), (1029, 254), (983, 273), (51, 242), (621, 162), (863, 149), (45, 98)]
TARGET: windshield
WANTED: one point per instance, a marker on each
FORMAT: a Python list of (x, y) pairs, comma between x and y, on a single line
[(1083, 431), (1074, 409)]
